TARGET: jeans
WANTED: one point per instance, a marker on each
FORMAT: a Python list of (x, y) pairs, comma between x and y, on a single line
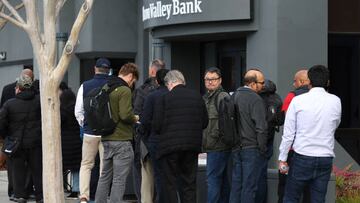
[(118, 158), (261, 194), (245, 174), (314, 171), (217, 177), (75, 181)]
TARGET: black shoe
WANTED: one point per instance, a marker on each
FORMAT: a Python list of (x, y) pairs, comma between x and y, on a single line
[(73, 195), (13, 198), (40, 201), (21, 200)]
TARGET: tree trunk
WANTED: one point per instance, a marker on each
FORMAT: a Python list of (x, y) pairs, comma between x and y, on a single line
[(51, 141)]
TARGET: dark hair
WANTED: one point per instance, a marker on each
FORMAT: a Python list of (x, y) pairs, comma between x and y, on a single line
[(318, 76), (129, 68), (64, 86), (158, 64), (160, 75), (213, 70)]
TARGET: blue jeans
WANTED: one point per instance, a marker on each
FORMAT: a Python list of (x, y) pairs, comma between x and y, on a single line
[(217, 177), (117, 162), (245, 174), (314, 171), (75, 181), (261, 194)]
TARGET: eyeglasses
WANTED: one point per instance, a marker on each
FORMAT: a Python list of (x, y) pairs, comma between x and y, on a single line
[(211, 79), (262, 83)]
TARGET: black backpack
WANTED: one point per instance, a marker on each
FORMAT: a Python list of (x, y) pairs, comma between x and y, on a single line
[(98, 110), (228, 120)]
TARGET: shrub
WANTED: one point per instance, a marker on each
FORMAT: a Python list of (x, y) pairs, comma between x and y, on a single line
[(347, 185)]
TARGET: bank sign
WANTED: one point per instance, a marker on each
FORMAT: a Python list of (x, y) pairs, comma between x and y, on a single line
[(167, 12)]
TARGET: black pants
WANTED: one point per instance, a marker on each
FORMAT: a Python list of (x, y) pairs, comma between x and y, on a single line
[(282, 183), (179, 176), (33, 159)]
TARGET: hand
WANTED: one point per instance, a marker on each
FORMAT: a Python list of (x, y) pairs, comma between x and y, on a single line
[(283, 167), (137, 118)]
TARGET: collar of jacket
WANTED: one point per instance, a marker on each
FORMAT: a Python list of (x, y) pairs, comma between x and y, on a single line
[(212, 93), (27, 94), (101, 76)]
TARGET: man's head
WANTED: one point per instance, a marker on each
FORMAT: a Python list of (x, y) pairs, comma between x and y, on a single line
[(28, 72), (319, 76), (254, 79), (24, 82), (212, 79), (160, 76), (174, 78), (129, 72), (102, 66), (301, 78), (155, 65)]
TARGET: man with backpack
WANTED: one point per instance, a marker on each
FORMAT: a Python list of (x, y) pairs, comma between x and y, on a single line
[(118, 151), (91, 140), (275, 118), (218, 152), (249, 153)]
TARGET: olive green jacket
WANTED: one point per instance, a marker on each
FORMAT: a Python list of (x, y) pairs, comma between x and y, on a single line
[(211, 139), (122, 112)]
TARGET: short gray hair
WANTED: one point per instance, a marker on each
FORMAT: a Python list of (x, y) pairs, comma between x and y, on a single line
[(174, 76)]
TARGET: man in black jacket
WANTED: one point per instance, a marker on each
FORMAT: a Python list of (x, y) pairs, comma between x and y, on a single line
[(179, 118), (20, 118), (8, 92), (141, 174), (249, 153)]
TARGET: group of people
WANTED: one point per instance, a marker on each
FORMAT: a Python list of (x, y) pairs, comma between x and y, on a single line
[(20, 121), (162, 126)]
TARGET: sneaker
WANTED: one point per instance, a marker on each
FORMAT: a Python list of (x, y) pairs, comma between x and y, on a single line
[(22, 200), (13, 198), (83, 200)]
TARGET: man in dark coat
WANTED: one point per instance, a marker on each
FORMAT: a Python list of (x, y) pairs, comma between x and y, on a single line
[(142, 177), (20, 118), (150, 137), (8, 92), (250, 152), (179, 118)]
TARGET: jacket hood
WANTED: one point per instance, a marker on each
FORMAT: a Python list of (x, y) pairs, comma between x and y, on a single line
[(117, 81), (26, 94), (269, 87)]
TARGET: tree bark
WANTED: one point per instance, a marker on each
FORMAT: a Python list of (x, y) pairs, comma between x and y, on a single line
[(51, 141)]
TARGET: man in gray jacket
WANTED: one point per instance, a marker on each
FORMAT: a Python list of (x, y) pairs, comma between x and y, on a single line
[(249, 153)]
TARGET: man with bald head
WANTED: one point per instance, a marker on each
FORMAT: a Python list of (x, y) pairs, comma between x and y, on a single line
[(301, 82), (301, 86), (249, 153)]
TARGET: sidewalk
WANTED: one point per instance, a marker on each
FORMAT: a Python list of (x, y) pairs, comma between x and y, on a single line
[(3, 190)]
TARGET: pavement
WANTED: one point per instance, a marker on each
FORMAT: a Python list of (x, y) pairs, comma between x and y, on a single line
[(3, 190)]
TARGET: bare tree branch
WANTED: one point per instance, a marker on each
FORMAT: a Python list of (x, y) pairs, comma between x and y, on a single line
[(59, 6), (32, 26), (3, 21), (64, 61), (13, 11), (4, 18)]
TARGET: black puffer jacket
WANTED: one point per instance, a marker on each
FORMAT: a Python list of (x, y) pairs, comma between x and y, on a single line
[(70, 132), (179, 118), (14, 118)]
